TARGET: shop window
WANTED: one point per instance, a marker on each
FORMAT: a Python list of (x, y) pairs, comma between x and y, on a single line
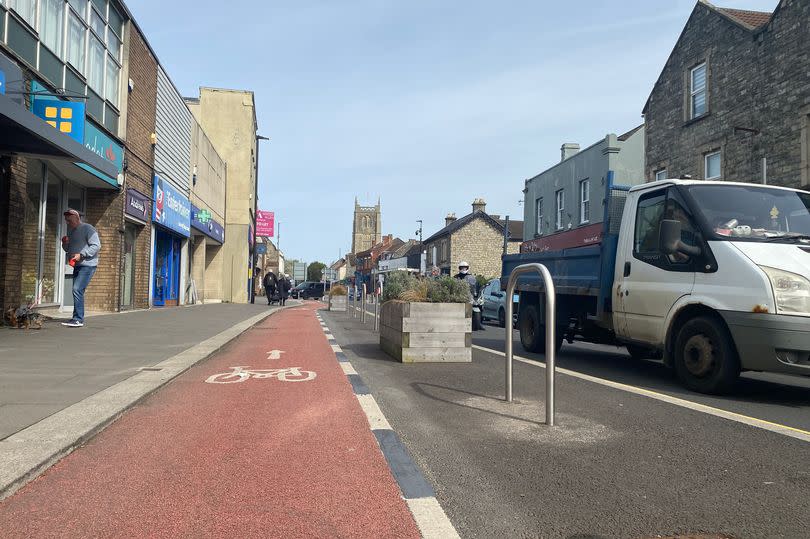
[(22, 42)]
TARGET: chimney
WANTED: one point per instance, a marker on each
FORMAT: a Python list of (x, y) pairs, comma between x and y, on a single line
[(449, 219), (568, 149), (479, 205)]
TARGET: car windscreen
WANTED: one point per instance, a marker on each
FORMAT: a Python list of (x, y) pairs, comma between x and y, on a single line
[(752, 213)]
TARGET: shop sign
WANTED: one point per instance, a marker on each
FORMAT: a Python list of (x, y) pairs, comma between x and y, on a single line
[(2, 82), (11, 78), (171, 208), (137, 205), (65, 116), (202, 220), (261, 249), (100, 144), (265, 221)]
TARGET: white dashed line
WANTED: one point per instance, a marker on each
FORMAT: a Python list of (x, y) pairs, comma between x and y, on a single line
[(336, 348), (376, 419), (347, 367), (431, 519)]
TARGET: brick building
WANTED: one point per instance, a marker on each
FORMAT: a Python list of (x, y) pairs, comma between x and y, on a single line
[(733, 99), (476, 238), (366, 261)]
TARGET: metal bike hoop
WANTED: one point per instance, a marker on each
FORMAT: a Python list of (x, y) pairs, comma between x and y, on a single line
[(550, 319)]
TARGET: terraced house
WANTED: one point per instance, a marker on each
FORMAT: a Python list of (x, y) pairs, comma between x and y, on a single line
[(733, 99)]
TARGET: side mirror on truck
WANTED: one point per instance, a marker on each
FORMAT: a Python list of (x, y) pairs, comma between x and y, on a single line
[(669, 240)]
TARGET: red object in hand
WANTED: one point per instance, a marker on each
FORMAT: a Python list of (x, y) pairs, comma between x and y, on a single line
[(72, 263), (64, 239)]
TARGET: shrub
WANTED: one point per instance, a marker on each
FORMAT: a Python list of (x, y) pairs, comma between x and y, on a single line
[(405, 287), (337, 290)]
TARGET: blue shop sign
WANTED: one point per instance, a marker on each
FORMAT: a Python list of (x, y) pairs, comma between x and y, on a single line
[(171, 209), (2, 82), (65, 116), (202, 221)]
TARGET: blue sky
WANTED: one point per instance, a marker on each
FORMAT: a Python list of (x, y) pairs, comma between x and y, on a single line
[(426, 104)]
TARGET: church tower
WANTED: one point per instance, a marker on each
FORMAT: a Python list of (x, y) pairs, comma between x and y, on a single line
[(367, 227)]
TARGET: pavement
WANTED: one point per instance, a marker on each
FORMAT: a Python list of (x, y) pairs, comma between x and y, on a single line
[(266, 438), (59, 385), (617, 464)]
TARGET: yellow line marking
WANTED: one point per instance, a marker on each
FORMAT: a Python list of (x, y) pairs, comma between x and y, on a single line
[(717, 412)]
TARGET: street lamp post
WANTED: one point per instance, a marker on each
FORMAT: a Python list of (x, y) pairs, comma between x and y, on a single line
[(255, 207)]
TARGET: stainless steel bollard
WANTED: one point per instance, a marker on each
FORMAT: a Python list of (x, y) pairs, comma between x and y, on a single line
[(377, 313), (363, 304), (551, 349)]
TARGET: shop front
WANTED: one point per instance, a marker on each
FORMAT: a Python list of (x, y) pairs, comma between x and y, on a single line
[(205, 273), (171, 213), (45, 168), (137, 212)]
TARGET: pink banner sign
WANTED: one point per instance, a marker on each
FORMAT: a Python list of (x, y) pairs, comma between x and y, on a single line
[(265, 223)]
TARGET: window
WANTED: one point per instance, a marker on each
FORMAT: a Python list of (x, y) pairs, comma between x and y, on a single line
[(97, 23), (27, 9), (712, 161), (95, 65), (558, 222), (538, 227), (444, 251), (112, 81), (584, 201), (77, 34), (80, 6), (648, 221), (51, 23), (698, 91), (661, 174)]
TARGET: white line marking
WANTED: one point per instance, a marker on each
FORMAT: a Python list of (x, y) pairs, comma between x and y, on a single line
[(710, 410), (347, 367), (336, 348), (240, 374), (329, 336), (376, 419), (274, 354), (431, 519)]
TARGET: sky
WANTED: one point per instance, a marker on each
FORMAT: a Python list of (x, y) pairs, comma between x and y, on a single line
[(424, 104)]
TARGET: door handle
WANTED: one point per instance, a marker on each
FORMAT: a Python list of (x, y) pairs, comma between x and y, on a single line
[(627, 269)]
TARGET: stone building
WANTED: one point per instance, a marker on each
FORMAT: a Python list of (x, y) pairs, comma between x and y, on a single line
[(366, 227), (228, 117), (476, 238), (733, 99)]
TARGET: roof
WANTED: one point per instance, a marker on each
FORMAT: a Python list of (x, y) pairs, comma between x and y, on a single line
[(750, 19), (403, 249), (630, 133), (463, 221)]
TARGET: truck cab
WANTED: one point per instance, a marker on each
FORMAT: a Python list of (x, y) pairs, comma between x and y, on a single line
[(716, 276)]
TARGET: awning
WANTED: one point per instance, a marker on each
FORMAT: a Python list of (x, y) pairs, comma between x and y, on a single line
[(23, 133)]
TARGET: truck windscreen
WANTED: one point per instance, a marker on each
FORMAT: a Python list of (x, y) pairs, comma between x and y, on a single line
[(753, 213)]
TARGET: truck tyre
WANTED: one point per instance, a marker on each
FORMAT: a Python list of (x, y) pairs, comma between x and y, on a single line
[(533, 331), (705, 358), (502, 317)]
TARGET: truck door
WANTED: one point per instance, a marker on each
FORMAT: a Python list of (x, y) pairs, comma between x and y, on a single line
[(649, 282)]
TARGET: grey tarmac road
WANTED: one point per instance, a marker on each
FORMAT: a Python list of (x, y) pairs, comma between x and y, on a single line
[(617, 465), (776, 398)]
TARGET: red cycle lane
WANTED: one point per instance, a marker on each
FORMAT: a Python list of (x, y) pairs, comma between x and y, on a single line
[(262, 457)]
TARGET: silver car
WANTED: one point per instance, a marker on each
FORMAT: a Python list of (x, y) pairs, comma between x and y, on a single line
[(494, 307)]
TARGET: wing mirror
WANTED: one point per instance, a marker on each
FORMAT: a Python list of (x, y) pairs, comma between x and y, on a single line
[(669, 240)]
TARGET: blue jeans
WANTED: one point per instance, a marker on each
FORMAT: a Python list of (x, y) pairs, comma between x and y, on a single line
[(81, 278)]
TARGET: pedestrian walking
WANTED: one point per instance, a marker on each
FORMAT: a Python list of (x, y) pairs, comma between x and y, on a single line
[(270, 283), (284, 287), (82, 246)]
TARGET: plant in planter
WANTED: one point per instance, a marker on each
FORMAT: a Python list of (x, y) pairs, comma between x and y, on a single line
[(426, 320), (337, 298)]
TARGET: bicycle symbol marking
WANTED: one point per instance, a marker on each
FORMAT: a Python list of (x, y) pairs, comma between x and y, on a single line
[(241, 374)]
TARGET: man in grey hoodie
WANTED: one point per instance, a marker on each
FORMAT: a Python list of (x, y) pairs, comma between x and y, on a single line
[(82, 246)]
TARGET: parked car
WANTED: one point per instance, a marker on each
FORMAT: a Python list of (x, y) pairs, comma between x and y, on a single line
[(309, 290), (494, 298)]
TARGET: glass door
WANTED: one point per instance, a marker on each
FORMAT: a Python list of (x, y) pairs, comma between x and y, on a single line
[(167, 269), (128, 278)]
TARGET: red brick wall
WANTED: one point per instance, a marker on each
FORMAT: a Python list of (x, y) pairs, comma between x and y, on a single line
[(139, 150)]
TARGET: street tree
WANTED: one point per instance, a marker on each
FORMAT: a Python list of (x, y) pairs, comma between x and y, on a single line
[(315, 271)]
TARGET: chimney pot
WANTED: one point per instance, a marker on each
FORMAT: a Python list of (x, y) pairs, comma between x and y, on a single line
[(479, 204), (449, 219), (568, 149)]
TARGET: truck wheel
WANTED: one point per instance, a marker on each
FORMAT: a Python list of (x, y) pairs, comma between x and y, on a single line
[(533, 331), (502, 317), (705, 358)]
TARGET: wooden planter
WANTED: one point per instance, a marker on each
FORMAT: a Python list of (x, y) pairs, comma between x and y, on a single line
[(426, 332), (338, 303)]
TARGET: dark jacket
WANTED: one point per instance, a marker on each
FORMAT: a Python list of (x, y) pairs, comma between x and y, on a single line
[(270, 281), (469, 278), (284, 286)]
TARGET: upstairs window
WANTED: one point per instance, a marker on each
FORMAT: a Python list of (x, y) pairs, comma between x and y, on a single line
[(538, 227), (661, 174), (27, 9), (698, 105), (558, 221), (584, 201), (51, 22)]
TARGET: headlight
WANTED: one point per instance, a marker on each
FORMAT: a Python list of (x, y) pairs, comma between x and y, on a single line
[(791, 291)]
